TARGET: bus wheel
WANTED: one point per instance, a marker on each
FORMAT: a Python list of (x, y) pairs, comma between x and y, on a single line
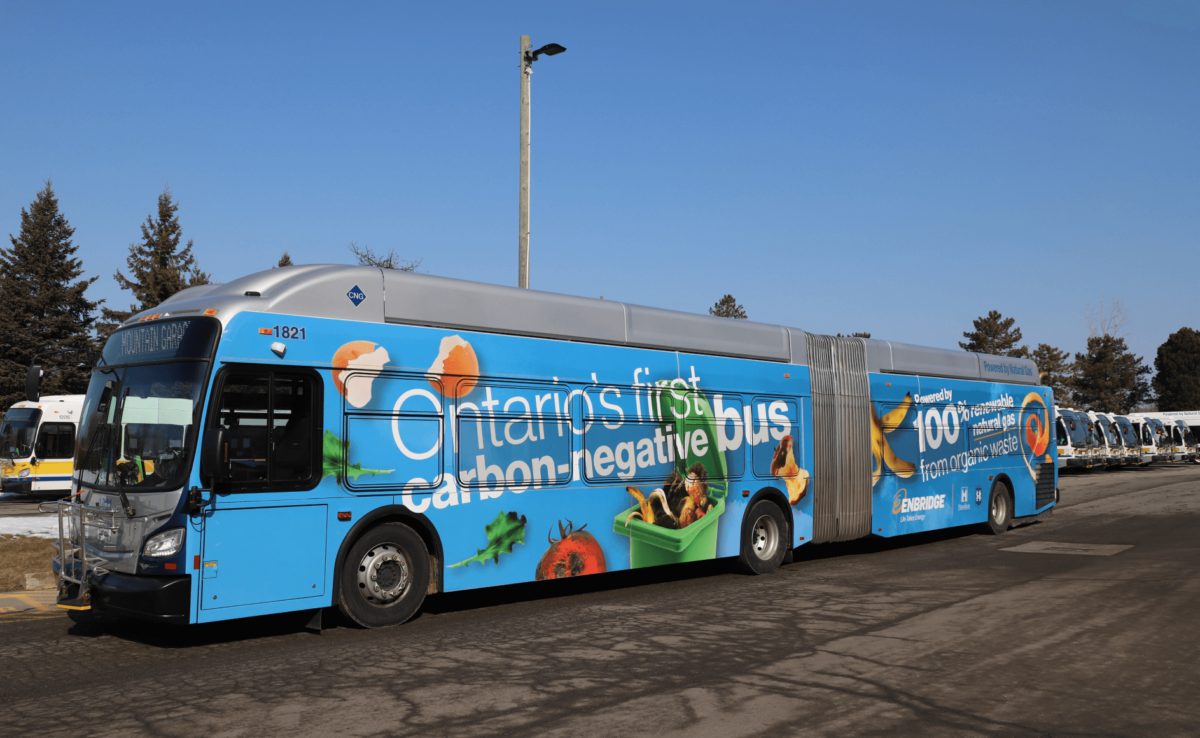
[(764, 538), (384, 577), (999, 510)]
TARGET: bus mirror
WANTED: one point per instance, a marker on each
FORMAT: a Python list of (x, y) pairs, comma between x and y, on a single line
[(33, 383), (214, 456)]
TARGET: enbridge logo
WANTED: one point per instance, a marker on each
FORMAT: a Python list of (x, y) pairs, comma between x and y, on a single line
[(902, 503)]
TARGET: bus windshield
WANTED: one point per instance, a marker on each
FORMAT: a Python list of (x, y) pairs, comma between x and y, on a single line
[(137, 427), (18, 431), (1131, 439), (1077, 428)]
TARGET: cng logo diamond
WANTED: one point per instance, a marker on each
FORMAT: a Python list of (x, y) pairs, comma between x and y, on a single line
[(356, 295)]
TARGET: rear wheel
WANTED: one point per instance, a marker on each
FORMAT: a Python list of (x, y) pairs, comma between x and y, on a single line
[(1000, 509), (384, 577), (764, 538)]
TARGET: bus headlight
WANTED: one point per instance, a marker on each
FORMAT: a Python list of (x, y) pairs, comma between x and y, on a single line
[(167, 543), (24, 472)]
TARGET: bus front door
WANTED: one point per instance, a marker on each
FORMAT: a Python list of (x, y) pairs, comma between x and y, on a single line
[(264, 535)]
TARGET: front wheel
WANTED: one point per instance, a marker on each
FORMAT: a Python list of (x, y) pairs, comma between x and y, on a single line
[(384, 577), (764, 538), (999, 510)]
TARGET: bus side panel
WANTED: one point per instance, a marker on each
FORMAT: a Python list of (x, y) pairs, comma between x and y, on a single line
[(943, 443), (522, 452)]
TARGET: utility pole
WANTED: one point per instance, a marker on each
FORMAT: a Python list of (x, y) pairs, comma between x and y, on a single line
[(528, 57), (523, 249)]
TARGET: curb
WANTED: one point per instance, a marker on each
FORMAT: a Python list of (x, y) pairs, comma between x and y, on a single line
[(30, 603), (41, 580)]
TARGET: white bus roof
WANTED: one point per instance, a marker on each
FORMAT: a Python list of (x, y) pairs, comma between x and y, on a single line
[(389, 296)]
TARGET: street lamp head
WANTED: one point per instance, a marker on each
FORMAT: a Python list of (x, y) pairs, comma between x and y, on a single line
[(548, 50)]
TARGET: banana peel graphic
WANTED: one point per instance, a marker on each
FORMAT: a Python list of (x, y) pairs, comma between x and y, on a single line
[(881, 451)]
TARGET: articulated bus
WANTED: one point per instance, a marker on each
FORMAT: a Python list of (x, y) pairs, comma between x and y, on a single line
[(39, 446), (319, 436)]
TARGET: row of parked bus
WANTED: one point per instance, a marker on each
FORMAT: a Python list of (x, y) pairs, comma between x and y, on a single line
[(1091, 440)]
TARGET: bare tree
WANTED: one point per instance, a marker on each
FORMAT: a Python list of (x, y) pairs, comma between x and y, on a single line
[(391, 260), (1108, 318)]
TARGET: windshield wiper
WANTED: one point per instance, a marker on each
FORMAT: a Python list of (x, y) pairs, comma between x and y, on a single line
[(129, 511)]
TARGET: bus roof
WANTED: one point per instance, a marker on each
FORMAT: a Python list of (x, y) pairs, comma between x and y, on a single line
[(387, 296)]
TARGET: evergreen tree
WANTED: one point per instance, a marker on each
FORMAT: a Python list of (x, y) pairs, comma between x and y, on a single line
[(1057, 371), (285, 260), (43, 306), (727, 307), (1178, 371), (1109, 378), (158, 267), (994, 334)]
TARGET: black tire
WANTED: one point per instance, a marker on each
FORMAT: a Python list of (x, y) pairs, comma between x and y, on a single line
[(1000, 510), (399, 561), (765, 538)]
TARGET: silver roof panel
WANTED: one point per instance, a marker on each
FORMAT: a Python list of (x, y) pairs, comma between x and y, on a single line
[(384, 295)]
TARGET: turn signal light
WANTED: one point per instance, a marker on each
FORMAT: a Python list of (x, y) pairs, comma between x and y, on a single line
[(343, 516)]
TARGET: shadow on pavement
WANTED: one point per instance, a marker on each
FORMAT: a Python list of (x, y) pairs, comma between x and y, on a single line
[(91, 625)]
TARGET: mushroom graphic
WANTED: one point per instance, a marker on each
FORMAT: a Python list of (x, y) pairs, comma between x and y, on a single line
[(784, 466)]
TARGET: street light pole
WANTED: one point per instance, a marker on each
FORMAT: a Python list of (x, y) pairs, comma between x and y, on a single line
[(523, 247), (528, 57)]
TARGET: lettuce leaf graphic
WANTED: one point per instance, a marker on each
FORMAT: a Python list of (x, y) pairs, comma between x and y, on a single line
[(507, 529), (333, 460)]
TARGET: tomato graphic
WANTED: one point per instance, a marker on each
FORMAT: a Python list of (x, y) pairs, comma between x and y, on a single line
[(575, 554)]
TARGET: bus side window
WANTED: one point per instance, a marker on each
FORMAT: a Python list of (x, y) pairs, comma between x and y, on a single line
[(55, 441), (774, 419), (517, 436), (269, 425)]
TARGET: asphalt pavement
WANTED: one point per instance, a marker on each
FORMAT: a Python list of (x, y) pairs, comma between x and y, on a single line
[(1087, 629)]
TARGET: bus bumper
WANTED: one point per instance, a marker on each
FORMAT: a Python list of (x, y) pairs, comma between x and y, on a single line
[(161, 599), (16, 485)]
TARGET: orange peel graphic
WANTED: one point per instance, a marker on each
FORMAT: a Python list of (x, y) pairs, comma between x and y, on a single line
[(881, 450), (457, 361), (362, 355), (784, 466), (1037, 430)]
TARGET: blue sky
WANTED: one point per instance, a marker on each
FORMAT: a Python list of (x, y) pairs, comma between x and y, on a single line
[(898, 168)]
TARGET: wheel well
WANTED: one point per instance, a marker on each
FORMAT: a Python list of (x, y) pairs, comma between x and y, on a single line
[(1003, 479), (395, 514), (780, 499)]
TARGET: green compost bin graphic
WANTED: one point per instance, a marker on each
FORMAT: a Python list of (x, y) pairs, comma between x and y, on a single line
[(682, 411)]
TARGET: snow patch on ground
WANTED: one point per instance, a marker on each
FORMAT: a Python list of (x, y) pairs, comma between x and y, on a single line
[(41, 527)]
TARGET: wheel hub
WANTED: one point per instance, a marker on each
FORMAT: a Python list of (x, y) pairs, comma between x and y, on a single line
[(384, 574), (765, 538)]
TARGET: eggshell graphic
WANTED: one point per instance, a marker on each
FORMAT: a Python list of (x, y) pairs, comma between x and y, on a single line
[(358, 355), (457, 361)]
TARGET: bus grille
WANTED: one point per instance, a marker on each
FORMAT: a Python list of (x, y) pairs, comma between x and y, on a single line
[(1044, 494)]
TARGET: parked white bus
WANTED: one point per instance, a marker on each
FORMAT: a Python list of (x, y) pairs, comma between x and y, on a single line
[(1132, 441), (1110, 440), (1153, 433), (1077, 448), (38, 437)]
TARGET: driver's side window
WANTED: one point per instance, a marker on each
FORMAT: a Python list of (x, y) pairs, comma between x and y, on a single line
[(55, 441), (270, 433)]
